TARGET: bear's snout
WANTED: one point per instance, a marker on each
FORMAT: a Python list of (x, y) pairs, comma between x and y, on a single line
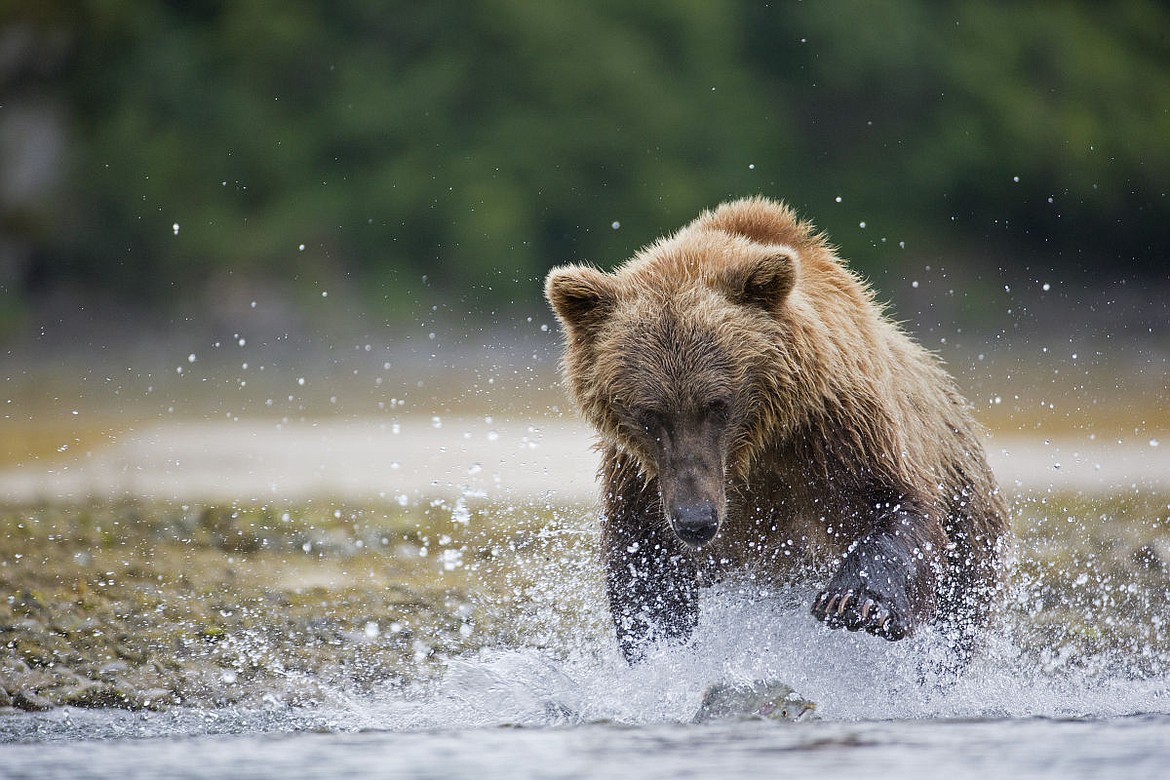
[(690, 463), (695, 524)]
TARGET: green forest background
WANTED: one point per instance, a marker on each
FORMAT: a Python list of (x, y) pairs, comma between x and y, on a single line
[(162, 156)]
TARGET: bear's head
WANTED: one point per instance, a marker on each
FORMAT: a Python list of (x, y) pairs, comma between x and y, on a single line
[(676, 356)]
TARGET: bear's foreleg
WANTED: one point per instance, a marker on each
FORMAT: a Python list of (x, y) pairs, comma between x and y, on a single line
[(651, 584), (652, 590), (653, 596), (887, 583)]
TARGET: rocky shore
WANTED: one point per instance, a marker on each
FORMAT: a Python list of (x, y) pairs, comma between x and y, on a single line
[(139, 606)]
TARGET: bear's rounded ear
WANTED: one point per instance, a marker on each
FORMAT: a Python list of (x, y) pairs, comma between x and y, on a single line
[(580, 296), (764, 281)]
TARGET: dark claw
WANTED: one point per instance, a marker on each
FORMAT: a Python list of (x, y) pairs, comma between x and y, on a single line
[(858, 612)]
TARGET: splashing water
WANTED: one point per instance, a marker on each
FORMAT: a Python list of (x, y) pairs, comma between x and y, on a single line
[(1068, 644), (851, 677)]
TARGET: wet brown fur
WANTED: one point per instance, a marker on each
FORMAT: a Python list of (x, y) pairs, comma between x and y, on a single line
[(832, 411)]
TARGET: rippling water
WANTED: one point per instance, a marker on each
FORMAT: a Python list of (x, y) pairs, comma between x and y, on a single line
[(1131, 747)]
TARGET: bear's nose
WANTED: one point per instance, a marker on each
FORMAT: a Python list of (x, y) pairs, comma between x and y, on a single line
[(695, 524)]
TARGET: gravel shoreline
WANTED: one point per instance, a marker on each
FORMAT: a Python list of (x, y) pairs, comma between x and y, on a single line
[(148, 606)]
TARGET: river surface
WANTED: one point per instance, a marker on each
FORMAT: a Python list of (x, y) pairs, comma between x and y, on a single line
[(97, 746)]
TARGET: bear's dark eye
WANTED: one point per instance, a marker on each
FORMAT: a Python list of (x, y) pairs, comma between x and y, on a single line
[(717, 409), (648, 422)]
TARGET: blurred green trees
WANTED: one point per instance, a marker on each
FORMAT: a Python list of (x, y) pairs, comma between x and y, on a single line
[(479, 143)]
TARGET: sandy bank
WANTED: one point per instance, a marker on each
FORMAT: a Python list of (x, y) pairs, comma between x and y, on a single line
[(524, 459)]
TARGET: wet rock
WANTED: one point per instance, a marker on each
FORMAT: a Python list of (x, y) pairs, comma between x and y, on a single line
[(12, 667), (158, 698), (27, 679), (129, 653), (68, 624), (212, 633), (1152, 556), (29, 603), (97, 695), (31, 702)]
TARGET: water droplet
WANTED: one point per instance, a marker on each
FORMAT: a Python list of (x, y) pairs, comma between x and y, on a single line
[(460, 513), (451, 559)]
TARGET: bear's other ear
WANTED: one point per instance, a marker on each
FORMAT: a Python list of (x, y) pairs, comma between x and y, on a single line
[(764, 281), (580, 296)]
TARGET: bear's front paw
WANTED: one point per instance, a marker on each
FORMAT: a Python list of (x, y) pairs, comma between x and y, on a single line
[(861, 610), (871, 590)]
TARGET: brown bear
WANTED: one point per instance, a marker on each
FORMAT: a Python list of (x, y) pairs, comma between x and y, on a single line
[(758, 412)]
